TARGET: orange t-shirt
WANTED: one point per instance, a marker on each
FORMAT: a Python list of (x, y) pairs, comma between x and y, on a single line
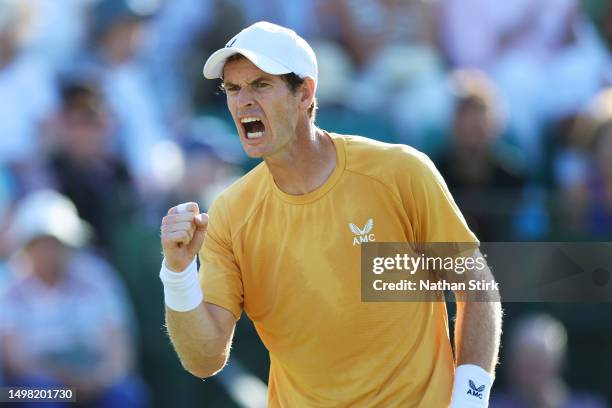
[(292, 263)]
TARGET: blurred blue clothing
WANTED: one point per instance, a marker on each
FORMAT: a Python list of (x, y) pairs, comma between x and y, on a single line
[(66, 325), (574, 400), (599, 214), (26, 76), (58, 30)]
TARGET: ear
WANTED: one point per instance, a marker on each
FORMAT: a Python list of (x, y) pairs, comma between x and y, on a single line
[(307, 93)]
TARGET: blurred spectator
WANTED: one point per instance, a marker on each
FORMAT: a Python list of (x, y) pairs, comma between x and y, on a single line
[(397, 76), (22, 74), (598, 188), (301, 16), (172, 34), (478, 33), (550, 86), (4, 277), (213, 152), (600, 11), (82, 166), (582, 170), (476, 172), (125, 81), (7, 194), (335, 74), (588, 193), (59, 30), (536, 354), (367, 27), (535, 51), (65, 319)]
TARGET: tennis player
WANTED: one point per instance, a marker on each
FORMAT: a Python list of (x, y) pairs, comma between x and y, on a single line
[(283, 245)]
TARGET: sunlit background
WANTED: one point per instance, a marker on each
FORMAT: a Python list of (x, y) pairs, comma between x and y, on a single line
[(106, 121)]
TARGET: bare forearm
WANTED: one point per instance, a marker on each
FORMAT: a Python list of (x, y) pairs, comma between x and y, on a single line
[(477, 333), (201, 345)]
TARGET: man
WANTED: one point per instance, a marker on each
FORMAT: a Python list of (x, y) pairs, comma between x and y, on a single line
[(65, 317), (81, 165), (277, 244), (537, 352), (476, 166)]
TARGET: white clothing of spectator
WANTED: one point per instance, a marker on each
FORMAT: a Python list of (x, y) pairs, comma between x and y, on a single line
[(27, 89), (65, 317)]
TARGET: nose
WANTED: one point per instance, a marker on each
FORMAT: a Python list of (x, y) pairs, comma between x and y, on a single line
[(245, 98)]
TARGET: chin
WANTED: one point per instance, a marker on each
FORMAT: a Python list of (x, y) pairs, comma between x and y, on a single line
[(253, 153)]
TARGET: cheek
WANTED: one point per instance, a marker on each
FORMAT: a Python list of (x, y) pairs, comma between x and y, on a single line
[(286, 112), (230, 105)]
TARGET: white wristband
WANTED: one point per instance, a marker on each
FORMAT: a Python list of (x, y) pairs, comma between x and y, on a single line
[(472, 387), (182, 291)]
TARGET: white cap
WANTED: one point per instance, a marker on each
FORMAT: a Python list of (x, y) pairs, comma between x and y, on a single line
[(273, 49), (48, 213)]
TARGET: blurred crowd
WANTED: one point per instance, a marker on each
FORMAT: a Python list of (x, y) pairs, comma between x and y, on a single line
[(106, 121)]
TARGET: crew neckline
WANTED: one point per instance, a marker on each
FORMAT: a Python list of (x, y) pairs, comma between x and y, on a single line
[(324, 188)]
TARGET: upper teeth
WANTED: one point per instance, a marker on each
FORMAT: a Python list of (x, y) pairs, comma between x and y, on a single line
[(247, 120)]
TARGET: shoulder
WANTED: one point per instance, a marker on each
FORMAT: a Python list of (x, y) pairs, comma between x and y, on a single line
[(243, 197), (253, 185), (384, 160)]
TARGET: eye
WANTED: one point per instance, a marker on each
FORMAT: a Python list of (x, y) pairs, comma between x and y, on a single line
[(261, 85), (232, 88)]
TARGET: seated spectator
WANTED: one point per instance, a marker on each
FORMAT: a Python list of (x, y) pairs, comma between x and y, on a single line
[(475, 171), (82, 166), (535, 52), (537, 352), (599, 187), (591, 198), (129, 89), (27, 94), (583, 171), (367, 27), (211, 152), (58, 30), (65, 318)]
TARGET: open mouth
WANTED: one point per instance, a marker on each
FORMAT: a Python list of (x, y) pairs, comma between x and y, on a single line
[(253, 127)]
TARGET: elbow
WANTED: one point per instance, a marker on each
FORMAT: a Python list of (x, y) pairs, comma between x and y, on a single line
[(204, 369)]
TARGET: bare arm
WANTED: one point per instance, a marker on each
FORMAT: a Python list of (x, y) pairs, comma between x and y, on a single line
[(202, 336), (479, 323), (477, 334)]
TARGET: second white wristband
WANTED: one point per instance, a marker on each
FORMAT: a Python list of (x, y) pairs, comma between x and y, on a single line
[(472, 387)]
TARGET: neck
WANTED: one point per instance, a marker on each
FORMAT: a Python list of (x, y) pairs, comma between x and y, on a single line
[(306, 164)]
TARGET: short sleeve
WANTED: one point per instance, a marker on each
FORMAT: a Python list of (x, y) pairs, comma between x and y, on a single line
[(220, 275), (438, 219)]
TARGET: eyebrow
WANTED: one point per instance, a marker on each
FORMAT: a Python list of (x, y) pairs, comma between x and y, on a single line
[(260, 78)]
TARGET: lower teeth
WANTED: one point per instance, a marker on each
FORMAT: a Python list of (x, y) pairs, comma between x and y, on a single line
[(254, 135)]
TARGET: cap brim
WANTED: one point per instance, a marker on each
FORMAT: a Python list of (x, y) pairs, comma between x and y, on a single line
[(76, 237), (214, 65)]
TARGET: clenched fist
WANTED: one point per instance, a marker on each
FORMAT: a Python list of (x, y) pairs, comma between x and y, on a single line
[(182, 234)]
